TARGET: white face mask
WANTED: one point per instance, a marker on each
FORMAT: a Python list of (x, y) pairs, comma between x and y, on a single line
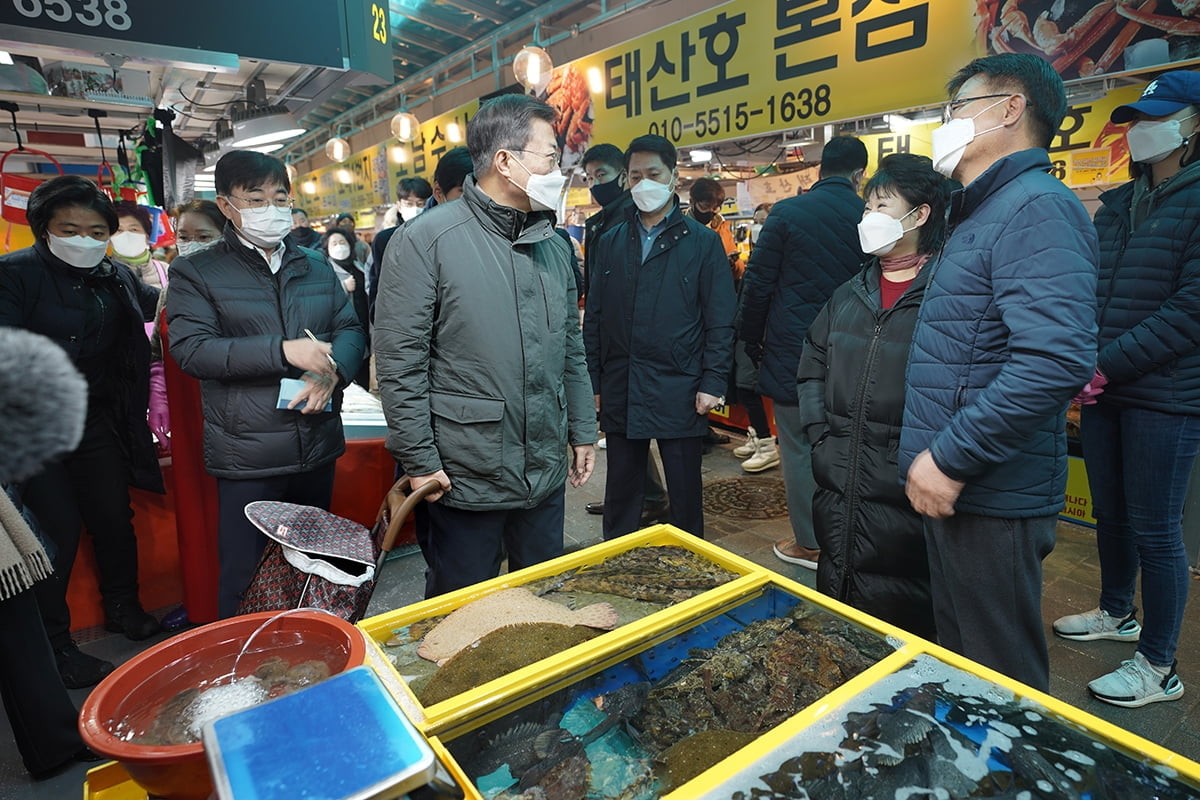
[(878, 232), (192, 248), (650, 196), (339, 251), (951, 139), (544, 191), (265, 226), (409, 212), (129, 244), (83, 252), (1150, 141)]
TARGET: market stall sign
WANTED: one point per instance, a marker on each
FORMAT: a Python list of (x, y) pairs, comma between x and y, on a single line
[(346, 34), (756, 67), (373, 172)]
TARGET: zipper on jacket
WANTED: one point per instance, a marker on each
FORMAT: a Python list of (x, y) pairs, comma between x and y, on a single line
[(856, 427)]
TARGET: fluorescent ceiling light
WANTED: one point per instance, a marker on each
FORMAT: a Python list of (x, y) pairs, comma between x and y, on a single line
[(6, 57), (264, 126), (701, 156)]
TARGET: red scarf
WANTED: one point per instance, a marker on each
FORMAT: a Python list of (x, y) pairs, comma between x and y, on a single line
[(899, 263)]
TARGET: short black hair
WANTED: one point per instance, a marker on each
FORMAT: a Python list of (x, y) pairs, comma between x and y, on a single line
[(453, 168), (914, 179), (1026, 74), (413, 187), (503, 123), (344, 215), (843, 155), (653, 144), (242, 169), (605, 153), (63, 192), (206, 207), (323, 245), (299, 211), (705, 190), (125, 208)]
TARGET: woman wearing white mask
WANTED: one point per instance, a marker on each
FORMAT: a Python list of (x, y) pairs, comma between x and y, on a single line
[(240, 315), (852, 402), (65, 288), (339, 252), (1140, 423), (131, 244)]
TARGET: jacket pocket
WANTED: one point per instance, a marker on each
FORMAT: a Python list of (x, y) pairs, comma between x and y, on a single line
[(554, 297), (469, 432)]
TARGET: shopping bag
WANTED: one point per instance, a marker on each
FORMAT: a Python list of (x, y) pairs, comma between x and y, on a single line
[(314, 559), (15, 187)]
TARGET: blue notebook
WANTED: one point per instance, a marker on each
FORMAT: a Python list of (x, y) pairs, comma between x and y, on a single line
[(342, 739)]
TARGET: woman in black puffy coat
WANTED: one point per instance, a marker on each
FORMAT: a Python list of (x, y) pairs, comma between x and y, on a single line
[(851, 391)]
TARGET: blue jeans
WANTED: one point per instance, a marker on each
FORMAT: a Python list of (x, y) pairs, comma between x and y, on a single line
[(1138, 465)]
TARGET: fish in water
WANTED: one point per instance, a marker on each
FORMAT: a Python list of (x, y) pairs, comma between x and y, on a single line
[(470, 623), (659, 574)]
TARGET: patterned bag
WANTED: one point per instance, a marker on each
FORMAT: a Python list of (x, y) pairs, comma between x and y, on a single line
[(315, 559)]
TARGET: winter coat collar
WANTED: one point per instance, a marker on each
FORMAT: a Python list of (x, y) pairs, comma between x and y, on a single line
[(964, 201), (1120, 198), (513, 224)]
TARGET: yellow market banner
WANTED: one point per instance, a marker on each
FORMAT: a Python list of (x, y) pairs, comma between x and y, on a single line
[(368, 178), (755, 67)]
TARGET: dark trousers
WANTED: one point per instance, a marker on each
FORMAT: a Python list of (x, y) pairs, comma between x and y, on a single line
[(624, 487), (1138, 464), (89, 487), (463, 547), (986, 584), (44, 720), (241, 544)]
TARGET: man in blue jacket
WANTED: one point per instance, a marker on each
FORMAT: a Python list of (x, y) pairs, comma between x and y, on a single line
[(1006, 336), (659, 338), (807, 248)]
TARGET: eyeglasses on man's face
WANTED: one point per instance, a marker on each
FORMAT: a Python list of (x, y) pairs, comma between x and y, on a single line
[(279, 201), (951, 108), (553, 157)]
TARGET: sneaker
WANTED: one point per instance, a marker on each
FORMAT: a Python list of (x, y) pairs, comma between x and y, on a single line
[(766, 457), (1098, 624), (750, 447), (787, 550), (602, 444), (1136, 683), (78, 669)]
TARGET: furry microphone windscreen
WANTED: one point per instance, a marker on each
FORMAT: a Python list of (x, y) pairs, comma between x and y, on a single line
[(43, 403)]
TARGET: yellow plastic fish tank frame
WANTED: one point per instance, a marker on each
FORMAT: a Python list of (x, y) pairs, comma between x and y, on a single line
[(550, 672)]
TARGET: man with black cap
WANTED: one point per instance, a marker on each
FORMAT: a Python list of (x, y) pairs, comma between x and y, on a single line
[(1141, 410)]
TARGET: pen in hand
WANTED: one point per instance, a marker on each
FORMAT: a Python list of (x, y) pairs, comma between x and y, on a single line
[(310, 335)]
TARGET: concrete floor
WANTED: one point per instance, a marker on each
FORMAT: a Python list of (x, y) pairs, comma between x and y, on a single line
[(1071, 585)]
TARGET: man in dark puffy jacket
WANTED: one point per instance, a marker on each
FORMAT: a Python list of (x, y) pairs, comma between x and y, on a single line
[(1005, 337), (807, 248), (239, 314), (480, 358), (659, 336)]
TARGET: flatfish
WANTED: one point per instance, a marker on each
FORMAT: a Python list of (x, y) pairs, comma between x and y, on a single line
[(498, 653), (476, 619)]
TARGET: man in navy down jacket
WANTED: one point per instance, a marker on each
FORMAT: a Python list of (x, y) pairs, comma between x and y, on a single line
[(1006, 337)]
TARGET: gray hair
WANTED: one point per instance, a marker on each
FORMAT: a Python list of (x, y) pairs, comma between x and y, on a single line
[(503, 123)]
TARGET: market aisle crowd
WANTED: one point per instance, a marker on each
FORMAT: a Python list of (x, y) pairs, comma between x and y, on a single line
[(920, 342)]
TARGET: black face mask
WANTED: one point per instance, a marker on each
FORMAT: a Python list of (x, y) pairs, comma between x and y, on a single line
[(703, 217), (606, 193)]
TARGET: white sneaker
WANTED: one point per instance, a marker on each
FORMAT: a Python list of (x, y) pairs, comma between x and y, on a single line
[(602, 444), (1136, 683), (1098, 624), (750, 447), (766, 457)]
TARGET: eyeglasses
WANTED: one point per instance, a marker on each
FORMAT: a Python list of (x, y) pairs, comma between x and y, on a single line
[(278, 202), (954, 105), (554, 156)]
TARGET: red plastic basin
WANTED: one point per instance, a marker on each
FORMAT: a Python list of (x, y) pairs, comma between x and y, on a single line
[(196, 658)]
